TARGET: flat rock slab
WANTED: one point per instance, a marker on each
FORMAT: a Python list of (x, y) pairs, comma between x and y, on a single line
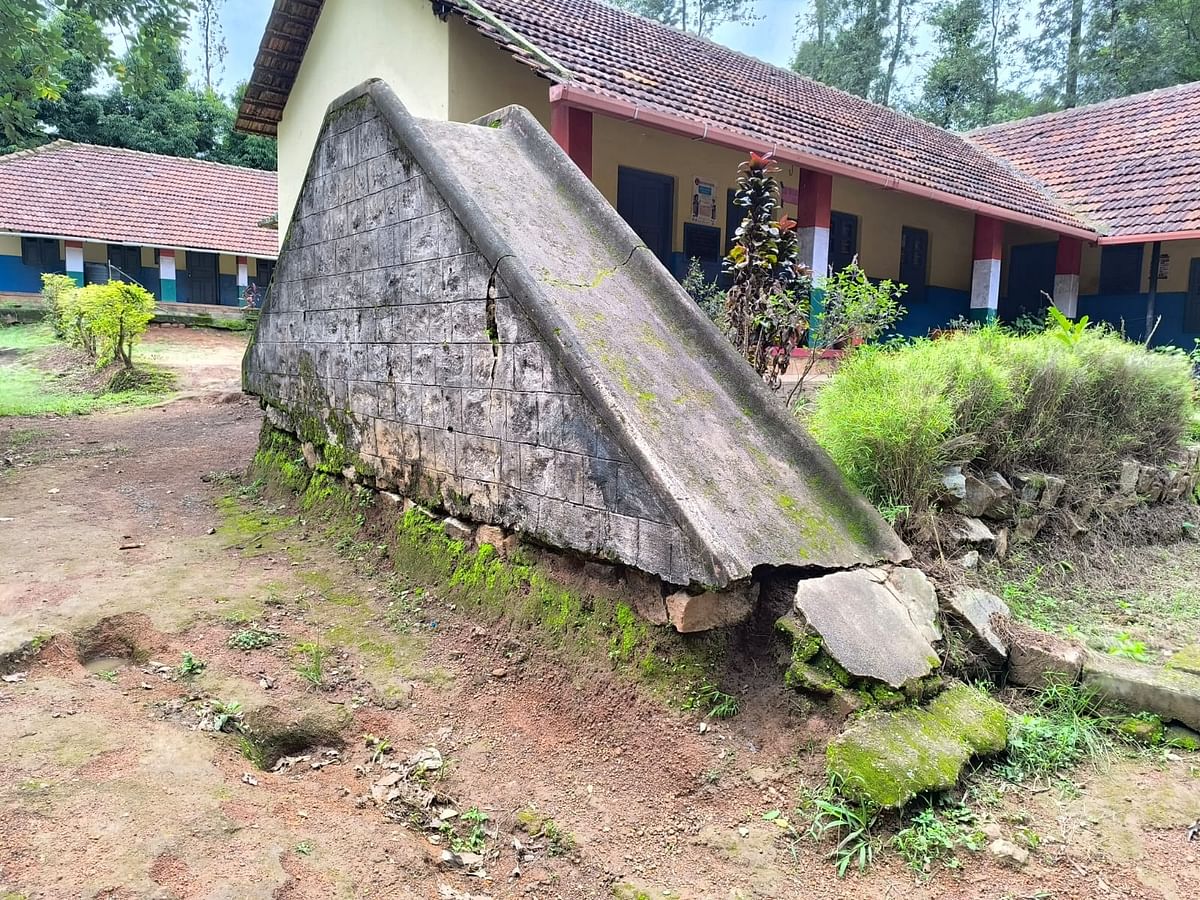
[(866, 627), (979, 609), (1169, 693), (890, 758)]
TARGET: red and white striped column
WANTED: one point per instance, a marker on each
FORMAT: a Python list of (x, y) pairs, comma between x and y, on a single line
[(243, 277), (985, 269), (166, 275), (73, 252), (812, 238), (1066, 275)]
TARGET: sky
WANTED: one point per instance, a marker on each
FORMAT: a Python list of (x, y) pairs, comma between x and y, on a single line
[(769, 38)]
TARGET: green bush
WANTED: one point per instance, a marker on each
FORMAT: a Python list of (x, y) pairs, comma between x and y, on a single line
[(59, 292), (893, 417), (112, 318)]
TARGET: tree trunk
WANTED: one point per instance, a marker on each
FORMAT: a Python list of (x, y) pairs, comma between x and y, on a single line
[(1074, 44), (889, 80)]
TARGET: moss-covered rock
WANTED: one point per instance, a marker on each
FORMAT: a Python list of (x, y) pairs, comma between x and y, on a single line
[(1181, 738), (888, 758), (1146, 729), (1186, 660)]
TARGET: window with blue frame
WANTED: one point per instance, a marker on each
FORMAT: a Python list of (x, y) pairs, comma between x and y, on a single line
[(41, 253), (1121, 269)]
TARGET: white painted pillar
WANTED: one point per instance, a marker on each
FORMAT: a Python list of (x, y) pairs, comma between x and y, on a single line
[(166, 276)]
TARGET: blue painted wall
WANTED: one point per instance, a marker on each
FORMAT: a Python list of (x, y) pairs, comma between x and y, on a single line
[(19, 278), (1130, 309), (939, 307)]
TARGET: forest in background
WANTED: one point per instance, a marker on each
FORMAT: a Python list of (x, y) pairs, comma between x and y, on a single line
[(112, 72), (963, 64)]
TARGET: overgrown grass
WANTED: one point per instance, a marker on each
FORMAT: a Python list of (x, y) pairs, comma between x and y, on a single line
[(894, 416)]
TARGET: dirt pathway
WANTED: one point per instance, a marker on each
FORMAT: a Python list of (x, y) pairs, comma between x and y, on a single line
[(107, 788)]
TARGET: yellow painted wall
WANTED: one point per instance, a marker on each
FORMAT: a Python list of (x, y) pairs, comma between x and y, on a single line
[(180, 261), (881, 216), (1181, 252), (10, 245), (226, 264), (95, 253), (400, 41), (251, 267), (148, 258), (616, 143), (484, 78)]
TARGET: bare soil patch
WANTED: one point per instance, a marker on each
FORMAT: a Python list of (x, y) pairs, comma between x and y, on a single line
[(113, 783)]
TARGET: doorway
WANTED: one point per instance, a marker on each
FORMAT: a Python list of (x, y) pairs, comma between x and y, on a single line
[(646, 201), (914, 263)]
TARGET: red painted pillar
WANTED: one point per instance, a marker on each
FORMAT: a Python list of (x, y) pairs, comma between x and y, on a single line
[(1066, 275), (985, 269), (571, 128)]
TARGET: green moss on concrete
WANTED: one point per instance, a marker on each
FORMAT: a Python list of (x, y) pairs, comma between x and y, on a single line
[(1181, 738), (1144, 729), (1186, 660), (888, 758), (805, 643)]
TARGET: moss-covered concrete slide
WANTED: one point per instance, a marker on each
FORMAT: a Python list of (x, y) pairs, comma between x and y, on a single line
[(460, 309)]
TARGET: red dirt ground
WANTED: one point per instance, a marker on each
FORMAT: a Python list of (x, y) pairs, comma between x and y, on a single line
[(107, 791)]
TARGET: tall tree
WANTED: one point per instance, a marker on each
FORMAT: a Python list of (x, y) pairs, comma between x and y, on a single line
[(844, 43), (696, 16), (1138, 45), (898, 53), (958, 88), (213, 48), (32, 52)]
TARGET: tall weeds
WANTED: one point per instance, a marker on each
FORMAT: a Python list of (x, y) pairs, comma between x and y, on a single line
[(894, 416)]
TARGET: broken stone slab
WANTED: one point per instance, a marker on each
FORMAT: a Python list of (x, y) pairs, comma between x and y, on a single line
[(977, 499), (1001, 507), (865, 628), (1169, 693), (1186, 659), (457, 529), (888, 758), (982, 612), (712, 609), (916, 592), (1028, 486), (1007, 852), (1052, 491), (955, 482), (970, 530), (1038, 660)]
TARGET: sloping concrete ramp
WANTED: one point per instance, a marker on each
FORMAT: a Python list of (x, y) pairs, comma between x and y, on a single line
[(461, 308)]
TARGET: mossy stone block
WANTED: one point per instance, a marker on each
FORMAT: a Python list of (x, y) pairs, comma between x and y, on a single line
[(1142, 729), (888, 758), (1186, 660), (1181, 738)]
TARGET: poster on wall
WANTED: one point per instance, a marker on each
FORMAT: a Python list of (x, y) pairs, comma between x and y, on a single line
[(704, 202)]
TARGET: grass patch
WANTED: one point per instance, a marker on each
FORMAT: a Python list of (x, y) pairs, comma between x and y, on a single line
[(26, 389), (894, 416), (1060, 730)]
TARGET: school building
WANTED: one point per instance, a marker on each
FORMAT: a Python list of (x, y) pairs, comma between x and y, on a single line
[(1084, 206), (187, 230)]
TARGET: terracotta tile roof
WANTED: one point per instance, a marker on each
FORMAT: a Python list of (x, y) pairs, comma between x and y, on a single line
[(623, 55), (125, 196), (1130, 165)]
